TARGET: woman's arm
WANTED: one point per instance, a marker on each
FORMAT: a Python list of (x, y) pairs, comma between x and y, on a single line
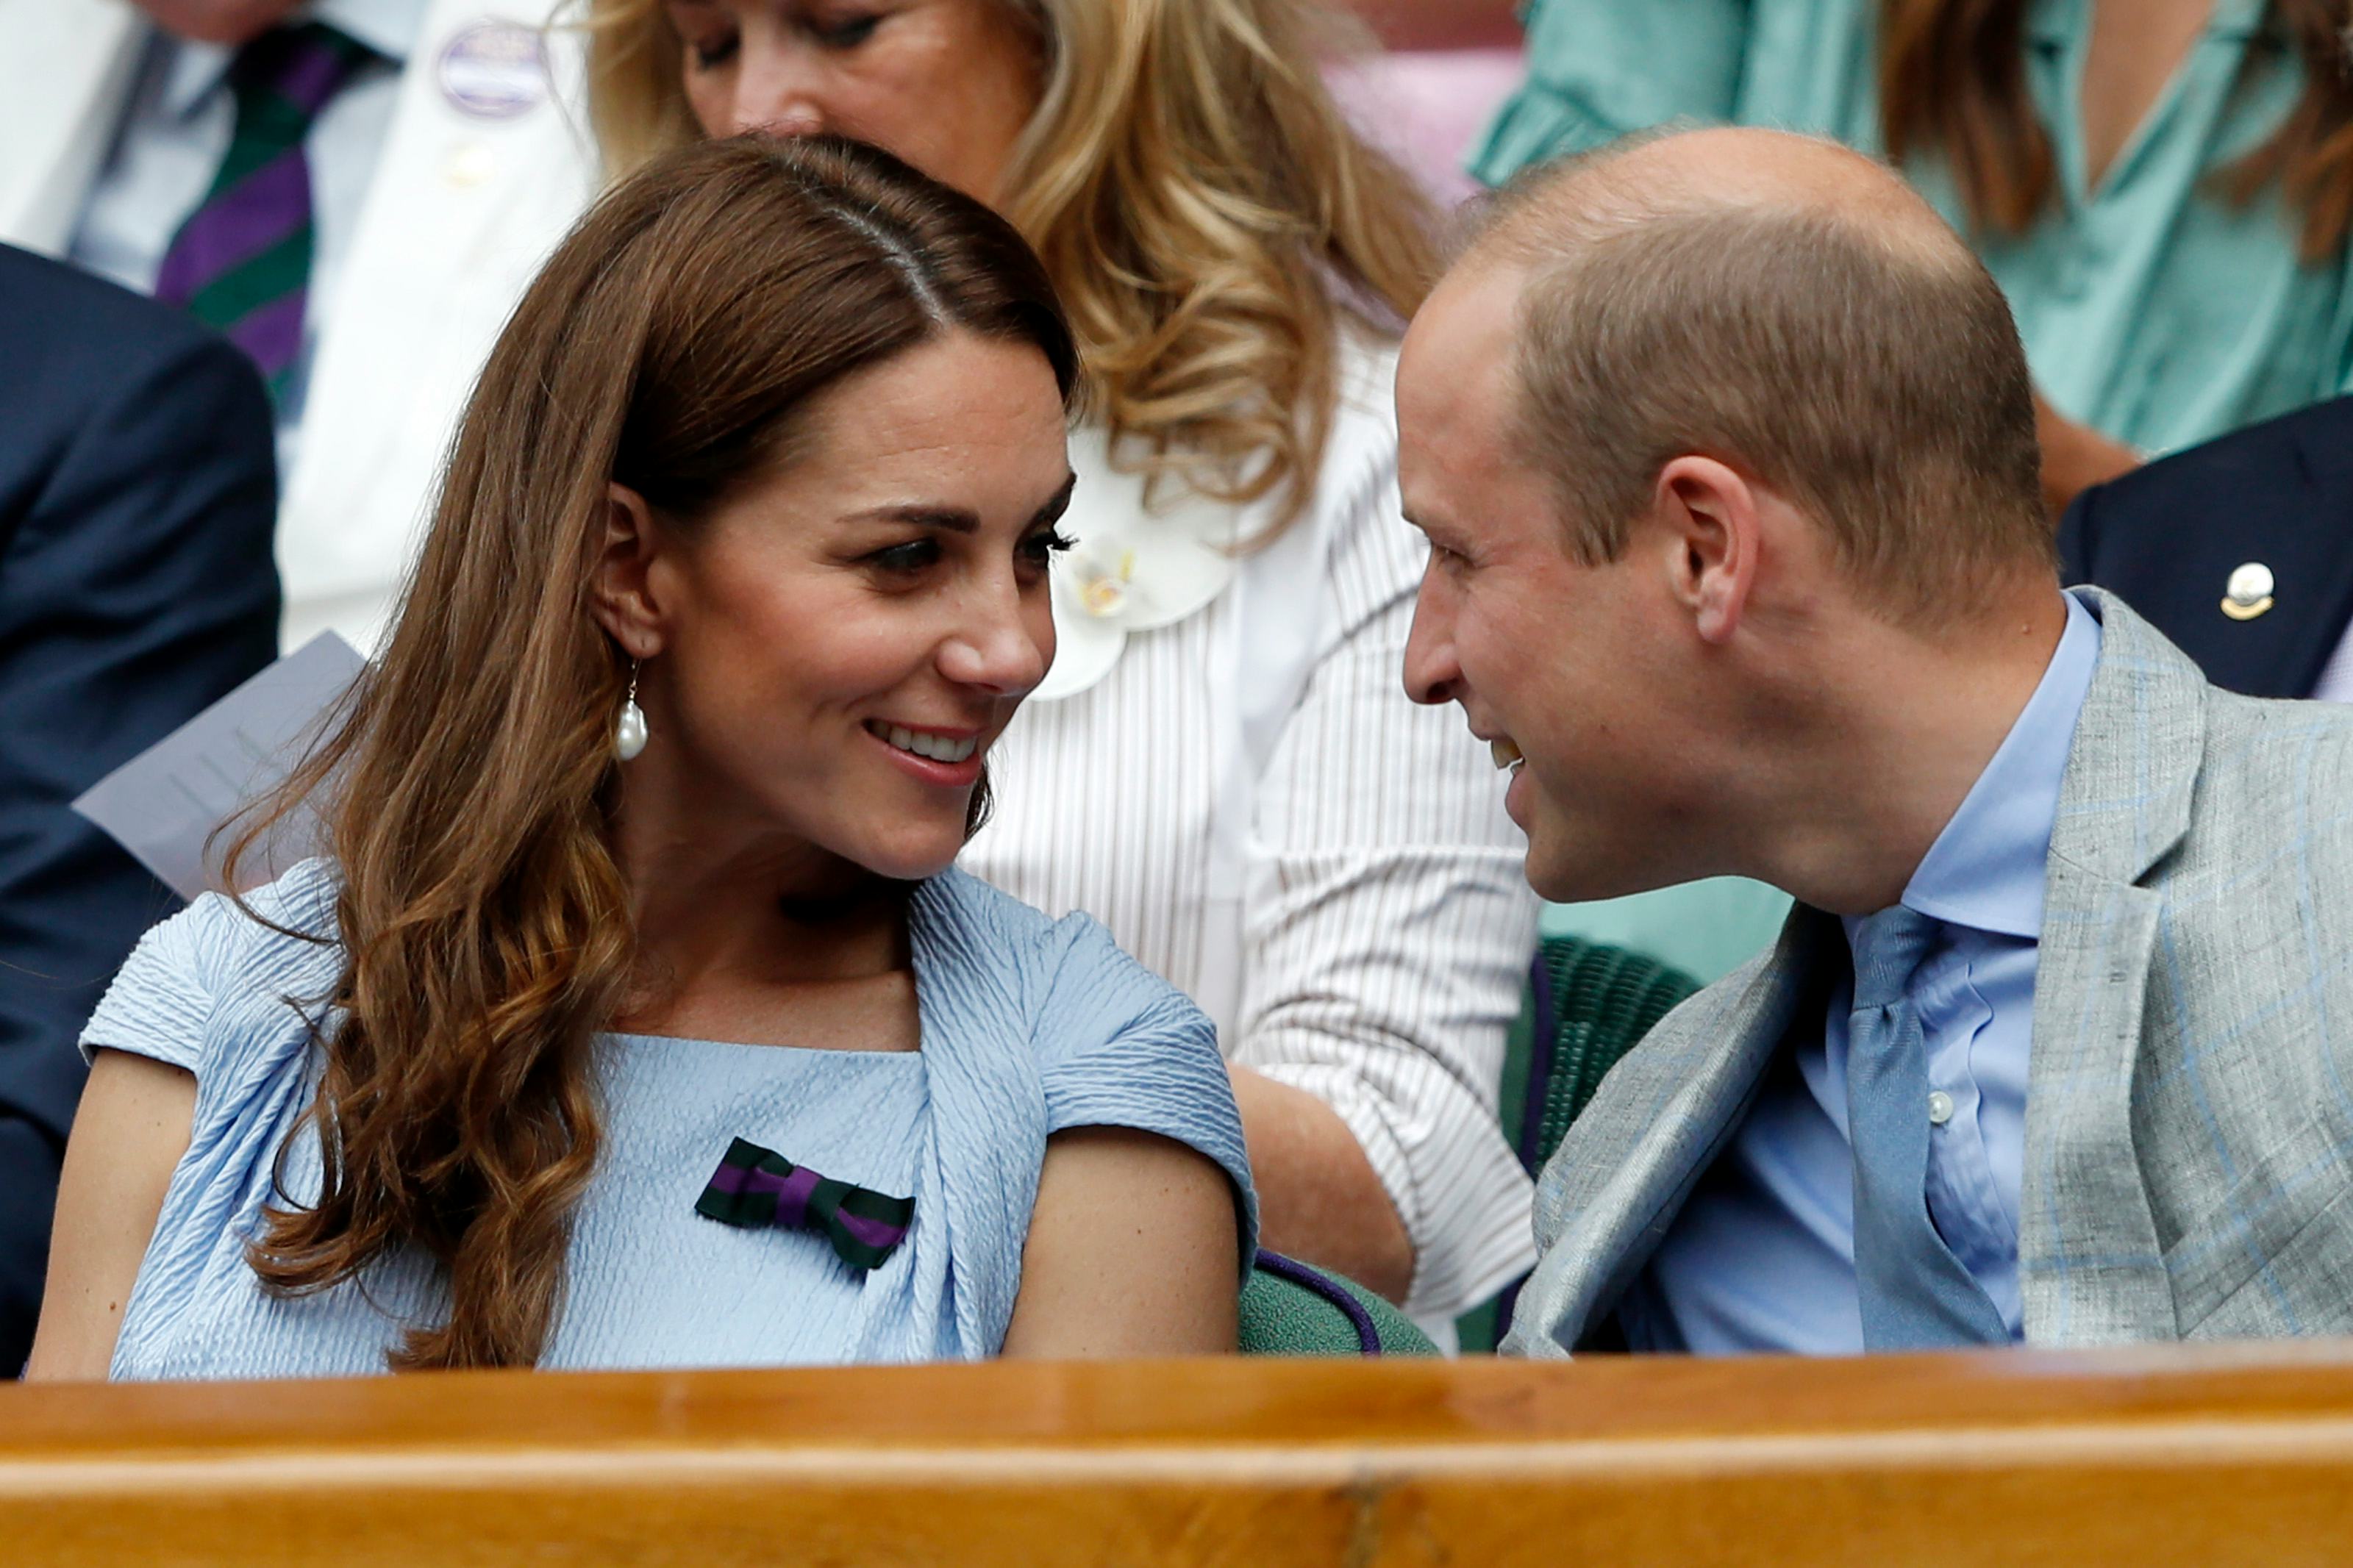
[(130, 1130), (1599, 68), (1321, 1199), (2075, 458), (1133, 1251)]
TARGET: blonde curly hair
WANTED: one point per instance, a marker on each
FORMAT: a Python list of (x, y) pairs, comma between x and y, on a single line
[(1210, 219)]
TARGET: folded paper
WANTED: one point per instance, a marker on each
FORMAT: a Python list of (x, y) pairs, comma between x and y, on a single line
[(164, 804)]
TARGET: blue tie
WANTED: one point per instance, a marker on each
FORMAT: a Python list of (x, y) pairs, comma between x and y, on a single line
[(1916, 1294)]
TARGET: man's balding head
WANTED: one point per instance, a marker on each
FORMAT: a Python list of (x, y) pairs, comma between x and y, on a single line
[(1556, 207), (1725, 448), (1788, 307)]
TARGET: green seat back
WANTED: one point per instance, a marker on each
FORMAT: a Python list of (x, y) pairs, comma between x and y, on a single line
[(1585, 1006), (1290, 1308), (1588, 1005)]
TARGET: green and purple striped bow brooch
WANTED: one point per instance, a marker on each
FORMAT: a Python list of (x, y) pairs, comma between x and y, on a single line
[(756, 1188)]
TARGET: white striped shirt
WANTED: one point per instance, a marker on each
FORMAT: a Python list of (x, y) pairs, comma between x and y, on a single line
[(1248, 800)]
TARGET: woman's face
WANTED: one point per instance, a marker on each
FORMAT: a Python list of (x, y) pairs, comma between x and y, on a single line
[(947, 85), (830, 654), (229, 22)]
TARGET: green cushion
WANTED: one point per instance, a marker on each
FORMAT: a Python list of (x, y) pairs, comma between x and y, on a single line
[(1594, 1002), (1603, 1001), (1290, 1308)]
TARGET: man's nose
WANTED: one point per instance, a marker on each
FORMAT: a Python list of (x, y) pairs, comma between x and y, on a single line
[(1431, 674)]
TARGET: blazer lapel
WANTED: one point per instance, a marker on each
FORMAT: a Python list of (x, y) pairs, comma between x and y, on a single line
[(1663, 1114), (2089, 1267), (2320, 567), (2283, 499), (64, 75)]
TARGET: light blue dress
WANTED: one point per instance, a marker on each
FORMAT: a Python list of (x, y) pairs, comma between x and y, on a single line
[(1028, 1026)]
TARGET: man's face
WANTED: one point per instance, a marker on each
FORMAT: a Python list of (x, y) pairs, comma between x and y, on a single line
[(1556, 660)]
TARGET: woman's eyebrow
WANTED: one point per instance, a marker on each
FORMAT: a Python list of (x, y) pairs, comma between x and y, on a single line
[(955, 518)]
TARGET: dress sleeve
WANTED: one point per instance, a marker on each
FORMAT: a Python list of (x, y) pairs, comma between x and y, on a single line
[(1599, 68), (1389, 925), (162, 1002), (1119, 1046), (207, 968)]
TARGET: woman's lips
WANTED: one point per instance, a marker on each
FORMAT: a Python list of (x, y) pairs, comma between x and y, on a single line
[(942, 758)]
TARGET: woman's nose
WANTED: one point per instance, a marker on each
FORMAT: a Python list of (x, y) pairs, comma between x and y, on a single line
[(1000, 654), (778, 94)]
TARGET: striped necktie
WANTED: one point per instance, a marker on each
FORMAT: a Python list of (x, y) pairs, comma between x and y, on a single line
[(242, 260)]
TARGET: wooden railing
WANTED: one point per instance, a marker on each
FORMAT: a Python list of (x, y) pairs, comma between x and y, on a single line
[(2145, 1457)]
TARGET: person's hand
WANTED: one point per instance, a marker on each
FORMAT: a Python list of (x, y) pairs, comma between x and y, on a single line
[(2075, 457)]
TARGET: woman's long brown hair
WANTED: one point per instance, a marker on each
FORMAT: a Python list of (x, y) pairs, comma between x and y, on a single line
[(668, 345), (1952, 80)]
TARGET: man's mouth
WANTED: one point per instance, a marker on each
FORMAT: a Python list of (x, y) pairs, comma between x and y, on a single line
[(1506, 754), (939, 748)]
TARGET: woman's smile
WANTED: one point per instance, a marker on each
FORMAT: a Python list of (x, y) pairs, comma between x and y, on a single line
[(948, 758)]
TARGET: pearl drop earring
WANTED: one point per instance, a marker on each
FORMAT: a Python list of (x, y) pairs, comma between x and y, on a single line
[(630, 734)]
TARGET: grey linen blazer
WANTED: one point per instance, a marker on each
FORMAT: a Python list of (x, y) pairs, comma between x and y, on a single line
[(2190, 1099)]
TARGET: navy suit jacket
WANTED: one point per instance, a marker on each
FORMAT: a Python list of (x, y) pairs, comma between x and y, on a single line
[(2166, 538), (138, 491)]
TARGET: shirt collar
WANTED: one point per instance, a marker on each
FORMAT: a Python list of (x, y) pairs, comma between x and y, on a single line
[(390, 27), (1986, 870), (196, 72)]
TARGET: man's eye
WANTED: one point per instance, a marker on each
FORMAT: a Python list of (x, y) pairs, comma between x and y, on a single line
[(912, 557), (711, 56)]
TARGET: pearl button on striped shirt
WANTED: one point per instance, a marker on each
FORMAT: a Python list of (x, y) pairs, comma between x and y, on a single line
[(1248, 800)]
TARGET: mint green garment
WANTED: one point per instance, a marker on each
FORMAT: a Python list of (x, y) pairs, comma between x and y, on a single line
[(1705, 929), (2152, 309)]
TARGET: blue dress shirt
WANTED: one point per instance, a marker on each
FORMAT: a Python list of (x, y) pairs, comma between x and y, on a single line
[(1762, 1255), (176, 130)]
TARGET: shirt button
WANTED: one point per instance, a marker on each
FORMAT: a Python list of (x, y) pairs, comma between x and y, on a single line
[(1941, 1107)]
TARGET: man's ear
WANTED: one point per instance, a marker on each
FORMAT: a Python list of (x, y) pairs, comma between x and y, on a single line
[(1708, 513), (621, 590)]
